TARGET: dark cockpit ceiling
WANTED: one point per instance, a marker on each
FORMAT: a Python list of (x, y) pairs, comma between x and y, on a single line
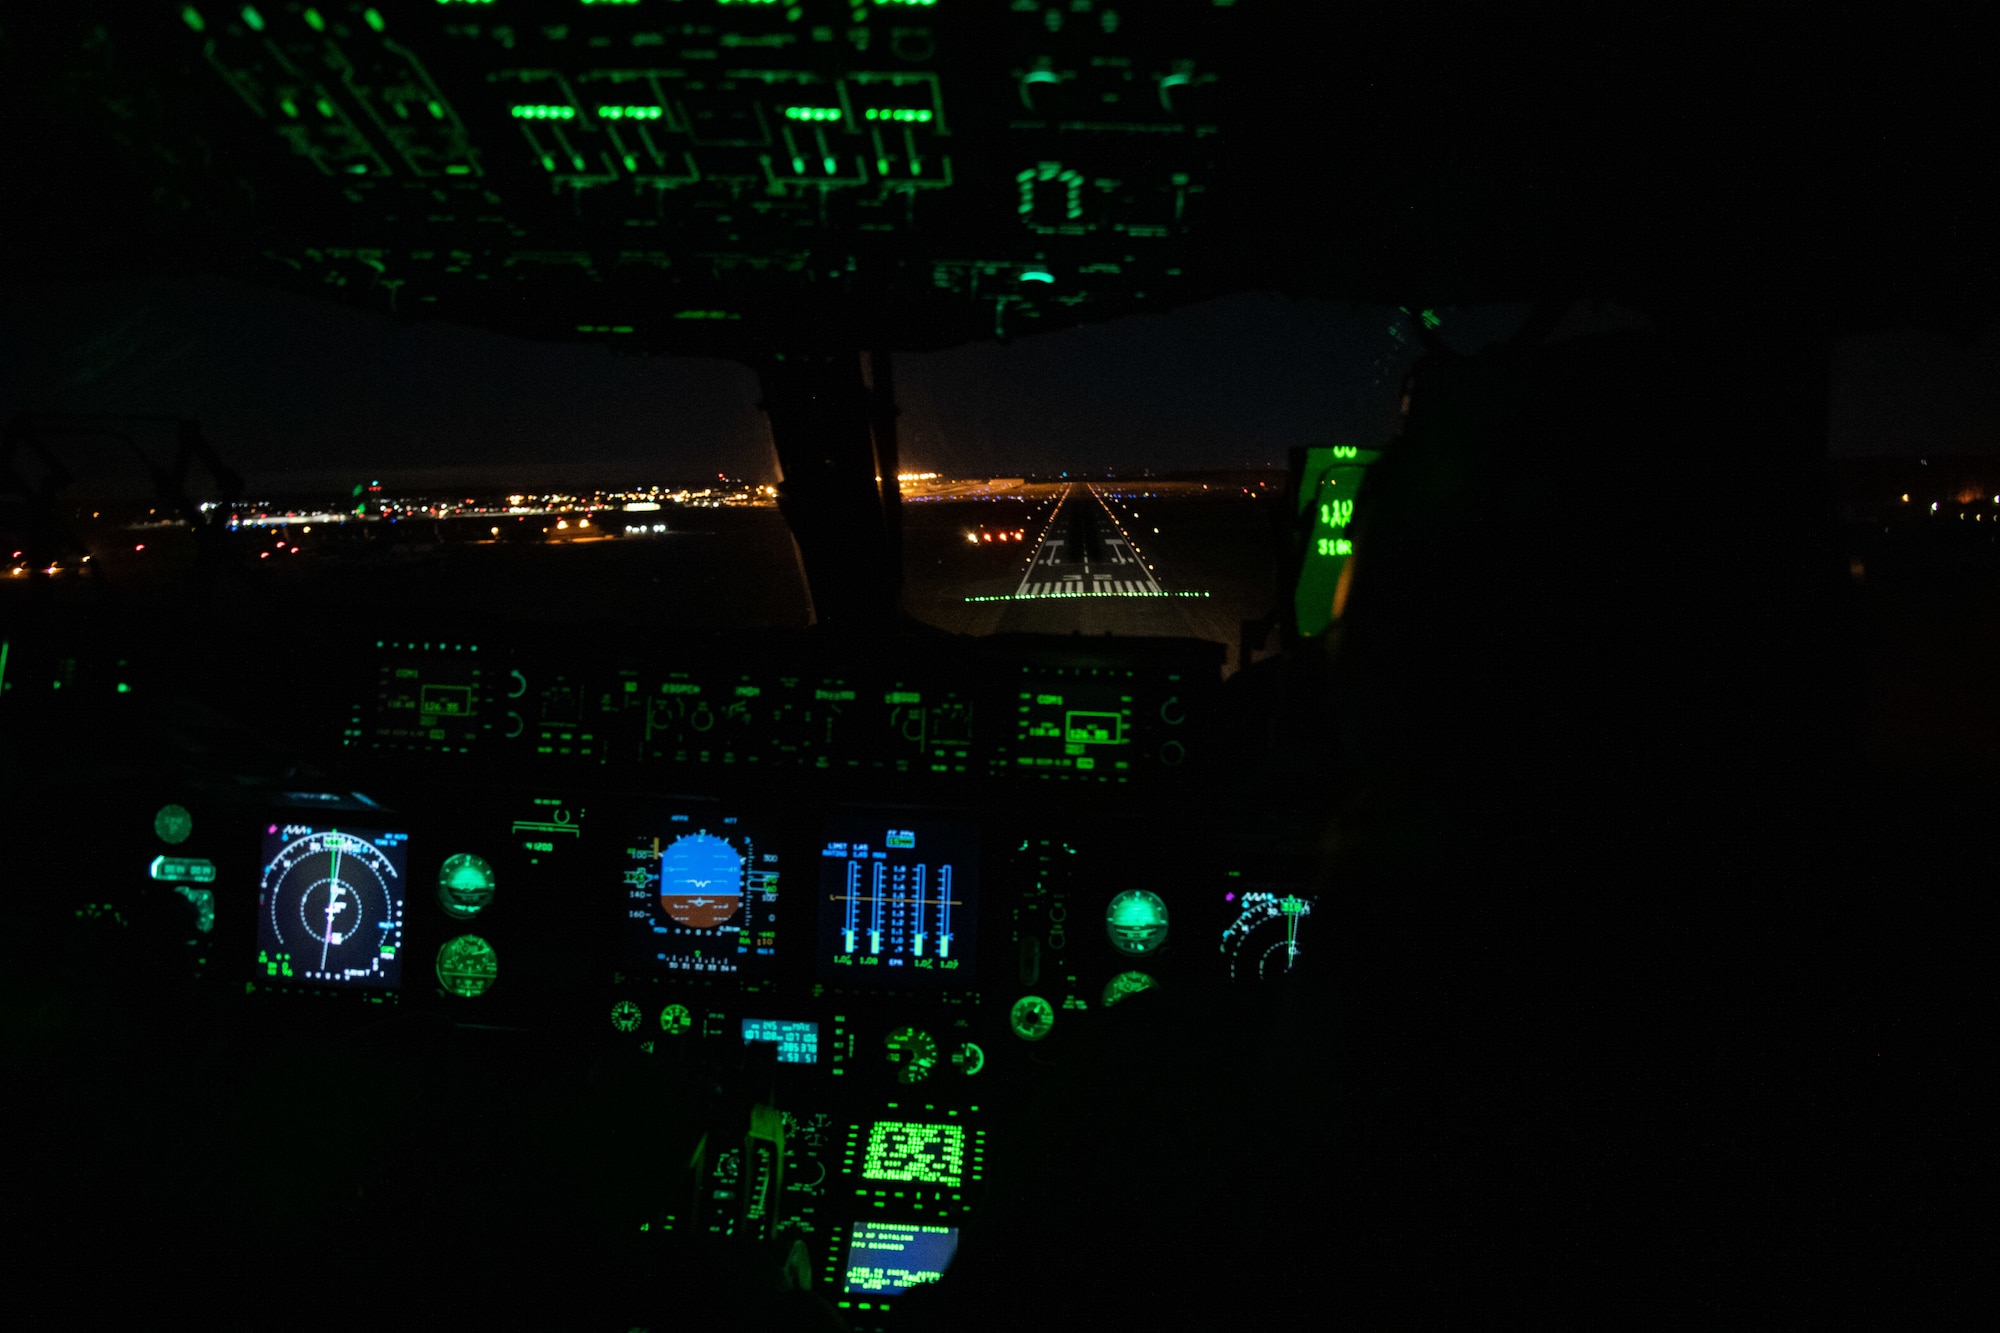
[(724, 178)]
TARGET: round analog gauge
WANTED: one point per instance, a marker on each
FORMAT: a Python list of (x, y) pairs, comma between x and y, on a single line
[(467, 966), (625, 1016), (967, 1058), (1136, 921), (675, 1019), (1126, 984), (1032, 1017), (173, 823), (914, 1052), (465, 885)]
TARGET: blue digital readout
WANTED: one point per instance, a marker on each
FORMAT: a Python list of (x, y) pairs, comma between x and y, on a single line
[(796, 1039)]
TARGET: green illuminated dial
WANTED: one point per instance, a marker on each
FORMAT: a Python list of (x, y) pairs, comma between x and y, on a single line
[(173, 823), (914, 1052), (1031, 1018), (466, 966), (1136, 921), (675, 1019), (967, 1058), (625, 1016), (465, 884), (1124, 984)]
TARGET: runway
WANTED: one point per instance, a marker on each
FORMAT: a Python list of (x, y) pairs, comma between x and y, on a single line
[(1085, 552)]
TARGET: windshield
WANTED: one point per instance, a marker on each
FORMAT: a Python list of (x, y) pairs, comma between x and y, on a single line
[(1136, 478)]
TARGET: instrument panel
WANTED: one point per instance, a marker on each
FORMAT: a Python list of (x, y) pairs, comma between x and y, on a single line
[(953, 715), (881, 949)]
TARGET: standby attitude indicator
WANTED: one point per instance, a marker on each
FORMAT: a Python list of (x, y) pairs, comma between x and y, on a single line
[(331, 905)]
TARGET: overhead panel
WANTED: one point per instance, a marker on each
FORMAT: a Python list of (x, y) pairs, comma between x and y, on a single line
[(728, 172)]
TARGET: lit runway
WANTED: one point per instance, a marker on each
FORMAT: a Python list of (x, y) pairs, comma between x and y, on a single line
[(1084, 552)]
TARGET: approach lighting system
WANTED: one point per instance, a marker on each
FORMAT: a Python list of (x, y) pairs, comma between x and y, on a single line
[(898, 902), (701, 895), (330, 908)]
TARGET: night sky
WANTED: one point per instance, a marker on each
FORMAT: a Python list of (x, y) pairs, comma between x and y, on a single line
[(300, 394)]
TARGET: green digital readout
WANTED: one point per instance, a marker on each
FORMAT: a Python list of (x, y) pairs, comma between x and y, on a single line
[(467, 966), (1136, 921), (916, 1154), (1328, 484), (465, 885), (182, 870)]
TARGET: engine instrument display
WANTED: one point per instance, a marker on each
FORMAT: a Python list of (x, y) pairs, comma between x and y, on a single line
[(888, 1258), (330, 908), (899, 902), (1262, 942), (702, 896)]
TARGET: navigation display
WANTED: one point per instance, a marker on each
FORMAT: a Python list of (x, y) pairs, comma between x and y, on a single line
[(899, 902), (888, 1258), (701, 894), (330, 907)]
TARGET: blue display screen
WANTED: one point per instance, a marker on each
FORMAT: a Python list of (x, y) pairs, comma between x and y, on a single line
[(797, 1040), (701, 895), (888, 1258), (899, 902)]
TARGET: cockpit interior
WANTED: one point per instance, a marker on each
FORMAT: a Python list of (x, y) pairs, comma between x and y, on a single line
[(1447, 871)]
